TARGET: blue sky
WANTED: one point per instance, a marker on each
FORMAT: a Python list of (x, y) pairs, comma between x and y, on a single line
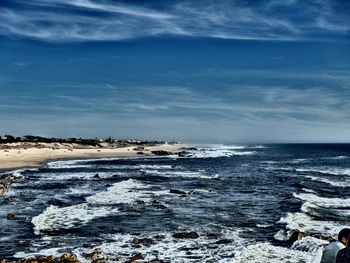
[(195, 71)]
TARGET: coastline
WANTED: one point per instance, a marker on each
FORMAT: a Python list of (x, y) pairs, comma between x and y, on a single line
[(19, 158)]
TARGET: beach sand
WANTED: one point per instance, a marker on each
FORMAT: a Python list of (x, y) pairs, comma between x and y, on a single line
[(33, 157)]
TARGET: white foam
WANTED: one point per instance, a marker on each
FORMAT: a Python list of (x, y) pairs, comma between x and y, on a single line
[(265, 252), (326, 170), (322, 201), (183, 174), (344, 183), (72, 175), (67, 164), (125, 192), (302, 222), (55, 251), (281, 235), (301, 160), (310, 244), (96, 206), (19, 172), (219, 150), (55, 218), (263, 225), (336, 157), (170, 249), (225, 147)]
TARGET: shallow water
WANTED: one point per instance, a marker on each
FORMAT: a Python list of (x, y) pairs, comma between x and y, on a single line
[(249, 195)]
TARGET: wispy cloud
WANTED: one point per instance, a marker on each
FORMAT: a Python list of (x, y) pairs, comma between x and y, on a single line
[(92, 20)]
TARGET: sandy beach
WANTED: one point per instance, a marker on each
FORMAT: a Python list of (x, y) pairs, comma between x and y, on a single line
[(17, 156)]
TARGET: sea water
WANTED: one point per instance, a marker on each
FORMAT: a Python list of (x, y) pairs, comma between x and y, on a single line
[(242, 200)]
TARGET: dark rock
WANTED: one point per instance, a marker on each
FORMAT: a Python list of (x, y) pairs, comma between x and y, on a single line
[(69, 258), (140, 153), (48, 259), (183, 154), (97, 176), (95, 255), (161, 153), (143, 241), (189, 248), (178, 192), (296, 235), (160, 206), (136, 246), (139, 149), (212, 235), (159, 237), (3, 189), (190, 148), (8, 200), (186, 235), (223, 242), (138, 256), (11, 216)]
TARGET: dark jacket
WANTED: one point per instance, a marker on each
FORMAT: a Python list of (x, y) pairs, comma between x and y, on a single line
[(343, 255)]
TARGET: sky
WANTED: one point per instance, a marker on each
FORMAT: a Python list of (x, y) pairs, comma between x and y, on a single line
[(192, 71)]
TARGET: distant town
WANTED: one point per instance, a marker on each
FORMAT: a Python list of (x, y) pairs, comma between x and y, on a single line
[(96, 142)]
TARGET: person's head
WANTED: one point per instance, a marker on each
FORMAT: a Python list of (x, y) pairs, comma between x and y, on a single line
[(343, 236)]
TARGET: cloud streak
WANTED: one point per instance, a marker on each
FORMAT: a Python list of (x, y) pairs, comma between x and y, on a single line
[(92, 20)]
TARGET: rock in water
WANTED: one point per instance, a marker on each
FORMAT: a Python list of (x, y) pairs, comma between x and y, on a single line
[(143, 241), (11, 216), (69, 258), (223, 242), (186, 235), (138, 256), (161, 153)]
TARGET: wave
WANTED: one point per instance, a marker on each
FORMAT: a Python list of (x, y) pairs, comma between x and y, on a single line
[(266, 252), (325, 213), (125, 192), (333, 171), (164, 247), (340, 157), (55, 218), (180, 174), (330, 182), (98, 205), (215, 151), (322, 201), (304, 223), (67, 164)]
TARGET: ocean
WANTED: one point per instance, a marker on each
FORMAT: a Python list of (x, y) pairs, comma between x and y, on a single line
[(243, 202)]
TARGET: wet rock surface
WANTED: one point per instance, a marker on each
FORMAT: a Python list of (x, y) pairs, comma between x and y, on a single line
[(161, 153), (6, 181), (11, 216), (186, 235), (65, 258)]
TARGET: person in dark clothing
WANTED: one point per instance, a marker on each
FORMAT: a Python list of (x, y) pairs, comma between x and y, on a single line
[(330, 251), (343, 255)]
